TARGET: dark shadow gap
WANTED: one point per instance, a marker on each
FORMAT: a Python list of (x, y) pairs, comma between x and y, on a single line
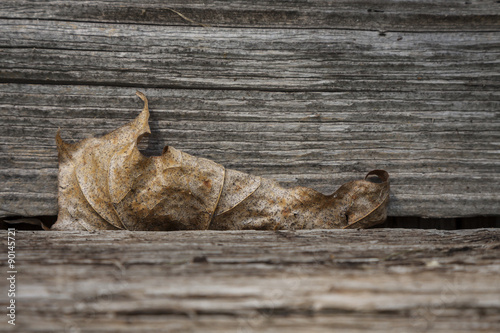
[(441, 223), (408, 222)]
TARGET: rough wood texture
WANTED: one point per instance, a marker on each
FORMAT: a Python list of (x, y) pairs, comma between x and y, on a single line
[(255, 59), (307, 92), (384, 280), (393, 15)]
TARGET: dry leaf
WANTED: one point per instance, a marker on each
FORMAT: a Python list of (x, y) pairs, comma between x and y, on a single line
[(106, 183)]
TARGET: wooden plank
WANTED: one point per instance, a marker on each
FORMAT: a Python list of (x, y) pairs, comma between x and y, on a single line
[(384, 15), (314, 107), (382, 280), (258, 59), (441, 155)]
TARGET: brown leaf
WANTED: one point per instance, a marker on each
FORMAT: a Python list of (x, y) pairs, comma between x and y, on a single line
[(106, 183)]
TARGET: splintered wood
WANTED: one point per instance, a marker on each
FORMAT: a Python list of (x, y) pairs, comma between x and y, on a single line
[(107, 183)]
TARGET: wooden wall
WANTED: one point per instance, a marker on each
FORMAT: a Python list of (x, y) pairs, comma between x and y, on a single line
[(312, 93)]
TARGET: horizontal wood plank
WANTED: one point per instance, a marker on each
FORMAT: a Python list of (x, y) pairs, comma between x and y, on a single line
[(385, 15), (441, 148), (258, 59), (382, 280)]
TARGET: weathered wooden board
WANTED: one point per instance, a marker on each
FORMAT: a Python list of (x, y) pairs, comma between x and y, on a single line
[(297, 94), (314, 139), (257, 59), (382, 280), (382, 15)]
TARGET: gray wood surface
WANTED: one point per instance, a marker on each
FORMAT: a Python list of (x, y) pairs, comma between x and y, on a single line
[(308, 92), (381, 15), (381, 280)]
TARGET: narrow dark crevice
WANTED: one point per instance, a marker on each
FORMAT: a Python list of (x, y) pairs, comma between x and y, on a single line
[(284, 26), (441, 223), (27, 223), (166, 86), (122, 84), (398, 222)]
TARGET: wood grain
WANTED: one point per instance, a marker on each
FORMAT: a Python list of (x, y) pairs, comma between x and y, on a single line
[(384, 15), (382, 280), (307, 99), (247, 59), (321, 140)]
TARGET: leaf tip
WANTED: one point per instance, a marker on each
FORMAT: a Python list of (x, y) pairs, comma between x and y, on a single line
[(142, 96), (144, 116), (62, 146)]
